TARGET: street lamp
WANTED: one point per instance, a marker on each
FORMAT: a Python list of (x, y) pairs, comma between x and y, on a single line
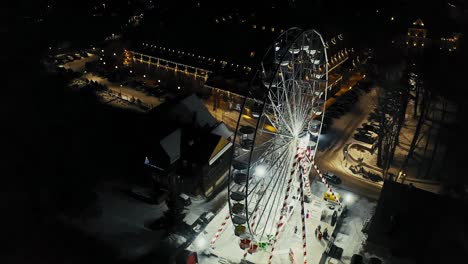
[(260, 170)]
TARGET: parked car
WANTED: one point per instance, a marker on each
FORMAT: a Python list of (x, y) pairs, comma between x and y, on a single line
[(347, 99), (346, 106), (370, 128), (329, 197), (334, 114), (185, 199), (364, 138), (330, 177), (373, 116), (207, 216), (337, 108), (357, 259)]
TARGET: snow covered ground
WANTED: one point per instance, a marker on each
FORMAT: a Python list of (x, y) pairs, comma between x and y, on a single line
[(119, 220), (226, 248), (360, 209)]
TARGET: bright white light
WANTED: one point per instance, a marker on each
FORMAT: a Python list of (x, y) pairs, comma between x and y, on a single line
[(349, 198), (115, 54), (260, 170), (159, 81), (200, 242), (131, 71), (144, 76), (178, 87)]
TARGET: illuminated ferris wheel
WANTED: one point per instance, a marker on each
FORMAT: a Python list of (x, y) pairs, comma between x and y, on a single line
[(276, 138)]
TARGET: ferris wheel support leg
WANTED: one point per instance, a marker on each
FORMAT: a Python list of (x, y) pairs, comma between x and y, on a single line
[(220, 230), (284, 207), (307, 164), (303, 217)]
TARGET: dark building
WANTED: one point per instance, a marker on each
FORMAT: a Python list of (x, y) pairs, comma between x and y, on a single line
[(188, 150), (411, 225)]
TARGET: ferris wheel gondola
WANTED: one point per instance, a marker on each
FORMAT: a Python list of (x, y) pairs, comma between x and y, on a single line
[(290, 88)]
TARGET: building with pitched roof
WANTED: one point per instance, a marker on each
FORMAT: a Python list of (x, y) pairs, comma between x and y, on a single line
[(188, 149)]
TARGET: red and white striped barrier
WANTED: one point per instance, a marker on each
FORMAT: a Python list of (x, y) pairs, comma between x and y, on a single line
[(220, 230), (284, 207)]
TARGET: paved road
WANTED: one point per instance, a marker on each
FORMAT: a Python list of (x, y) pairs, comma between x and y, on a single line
[(330, 156)]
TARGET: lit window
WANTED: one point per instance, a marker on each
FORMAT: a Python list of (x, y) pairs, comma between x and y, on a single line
[(254, 26), (263, 27), (252, 54), (414, 44), (272, 29)]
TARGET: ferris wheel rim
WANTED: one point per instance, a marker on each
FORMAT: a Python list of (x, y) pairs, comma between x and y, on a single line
[(258, 121)]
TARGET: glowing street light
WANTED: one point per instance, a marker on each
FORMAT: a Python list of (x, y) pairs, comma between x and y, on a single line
[(349, 198), (144, 76), (260, 170)]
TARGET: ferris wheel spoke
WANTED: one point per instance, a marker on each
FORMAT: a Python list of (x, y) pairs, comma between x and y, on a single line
[(267, 204), (279, 115), (277, 195), (271, 167), (294, 71)]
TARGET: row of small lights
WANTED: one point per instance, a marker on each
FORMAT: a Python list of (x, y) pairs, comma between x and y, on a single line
[(130, 71), (223, 19), (264, 28), (193, 55)]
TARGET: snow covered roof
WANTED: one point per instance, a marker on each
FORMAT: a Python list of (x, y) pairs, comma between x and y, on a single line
[(171, 145), (195, 105), (222, 130)]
